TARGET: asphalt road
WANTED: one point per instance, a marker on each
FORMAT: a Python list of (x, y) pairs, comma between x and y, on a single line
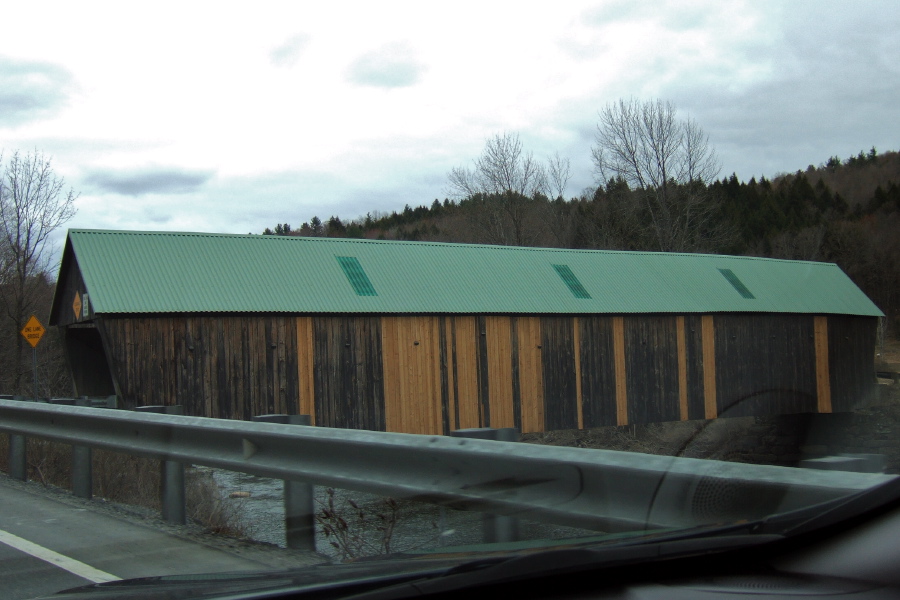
[(49, 542)]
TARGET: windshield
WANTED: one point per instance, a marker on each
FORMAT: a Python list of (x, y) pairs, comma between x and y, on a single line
[(299, 287)]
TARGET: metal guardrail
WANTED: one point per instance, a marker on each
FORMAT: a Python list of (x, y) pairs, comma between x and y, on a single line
[(602, 490)]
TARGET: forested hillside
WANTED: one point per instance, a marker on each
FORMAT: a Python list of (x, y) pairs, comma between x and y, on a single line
[(845, 211)]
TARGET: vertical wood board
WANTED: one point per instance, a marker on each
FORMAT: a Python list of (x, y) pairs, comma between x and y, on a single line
[(528, 330), (576, 354), (682, 369), (651, 365), (559, 374), (621, 379), (709, 367), (465, 356), (499, 361), (305, 376), (598, 372), (823, 378)]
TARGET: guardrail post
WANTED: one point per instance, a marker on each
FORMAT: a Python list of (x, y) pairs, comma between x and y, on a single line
[(299, 497), (82, 471), (495, 528), (171, 476), (18, 467)]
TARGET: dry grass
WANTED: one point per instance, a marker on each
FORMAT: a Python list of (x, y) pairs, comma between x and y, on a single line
[(131, 480), (354, 531)]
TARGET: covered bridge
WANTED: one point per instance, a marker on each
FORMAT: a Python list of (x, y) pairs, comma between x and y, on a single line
[(430, 337)]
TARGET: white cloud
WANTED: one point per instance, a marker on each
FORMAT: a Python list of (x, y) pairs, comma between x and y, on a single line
[(31, 90), (288, 53), (390, 66)]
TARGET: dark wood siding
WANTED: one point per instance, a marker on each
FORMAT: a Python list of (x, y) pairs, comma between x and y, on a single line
[(598, 374), (651, 366), (693, 330), (349, 391), (765, 364), (851, 343), (231, 367), (484, 385), (558, 354)]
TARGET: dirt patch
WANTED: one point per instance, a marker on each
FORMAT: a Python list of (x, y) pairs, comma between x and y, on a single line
[(887, 355), (782, 440), (699, 439)]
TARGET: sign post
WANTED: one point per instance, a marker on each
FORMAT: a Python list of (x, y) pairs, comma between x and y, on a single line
[(33, 332)]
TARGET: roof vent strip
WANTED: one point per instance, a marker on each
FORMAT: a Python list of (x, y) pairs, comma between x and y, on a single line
[(356, 276), (737, 284), (566, 274)]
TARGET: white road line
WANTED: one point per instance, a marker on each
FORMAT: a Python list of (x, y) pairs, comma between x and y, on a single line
[(63, 562)]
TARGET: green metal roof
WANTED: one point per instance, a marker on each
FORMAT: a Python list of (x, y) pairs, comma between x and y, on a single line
[(165, 272)]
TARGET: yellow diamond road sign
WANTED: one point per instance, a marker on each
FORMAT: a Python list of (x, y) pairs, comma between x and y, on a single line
[(76, 306), (33, 331)]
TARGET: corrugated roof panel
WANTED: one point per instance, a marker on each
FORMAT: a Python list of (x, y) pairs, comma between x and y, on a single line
[(146, 272)]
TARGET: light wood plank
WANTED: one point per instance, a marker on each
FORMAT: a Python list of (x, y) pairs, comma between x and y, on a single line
[(393, 414), (467, 373), (412, 374), (823, 376), (531, 374), (499, 341)]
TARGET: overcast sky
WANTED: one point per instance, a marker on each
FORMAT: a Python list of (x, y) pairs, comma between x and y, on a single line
[(211, 116)]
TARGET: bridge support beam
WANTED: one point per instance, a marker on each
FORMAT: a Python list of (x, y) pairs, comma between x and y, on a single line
[(495, 528), (299, 497), (172, 494)]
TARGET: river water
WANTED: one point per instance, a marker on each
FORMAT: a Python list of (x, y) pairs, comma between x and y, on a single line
[(375, 526)]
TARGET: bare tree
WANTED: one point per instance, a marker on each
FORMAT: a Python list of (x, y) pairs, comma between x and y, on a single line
[(668, 162), (559, 171), (503, 188), (33, 204), (502, 167)]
